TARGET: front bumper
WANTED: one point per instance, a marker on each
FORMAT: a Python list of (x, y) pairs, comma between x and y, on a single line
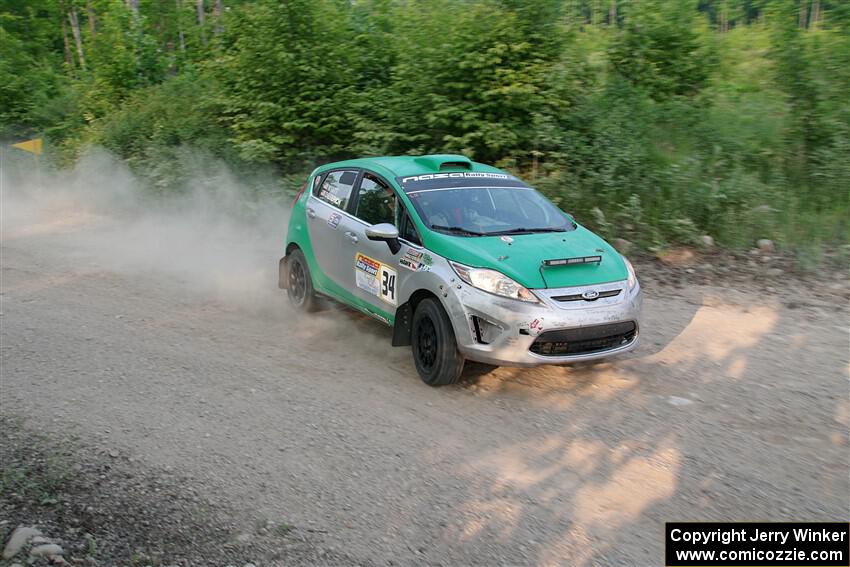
[(562, 328)]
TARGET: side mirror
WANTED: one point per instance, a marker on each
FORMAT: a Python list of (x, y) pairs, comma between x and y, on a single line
[(386, 232)]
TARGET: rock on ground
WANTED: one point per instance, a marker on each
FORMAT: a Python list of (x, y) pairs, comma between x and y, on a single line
[(46, 550), (765, 245), (18, 540)]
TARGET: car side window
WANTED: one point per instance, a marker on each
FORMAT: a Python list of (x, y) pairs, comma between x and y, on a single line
[(408, 230), (376, 202), (336, 188)]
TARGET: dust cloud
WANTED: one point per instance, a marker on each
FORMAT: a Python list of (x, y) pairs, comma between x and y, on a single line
[(214, 240), (214, 235)]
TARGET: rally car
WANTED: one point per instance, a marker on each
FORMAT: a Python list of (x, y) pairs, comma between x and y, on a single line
[(464, 261)]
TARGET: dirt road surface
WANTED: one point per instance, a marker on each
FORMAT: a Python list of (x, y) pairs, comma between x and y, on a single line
[(735, 406)]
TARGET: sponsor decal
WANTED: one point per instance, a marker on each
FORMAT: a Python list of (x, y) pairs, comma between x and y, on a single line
[(333, 220), (535, 327), (366, 273), (411, 260), (426, 259), (375, 278), (366, 264), (468, 175), (406, 262), (330, 197)]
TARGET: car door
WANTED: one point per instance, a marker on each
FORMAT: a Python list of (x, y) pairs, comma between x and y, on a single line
[(375, 274), (326, 208)]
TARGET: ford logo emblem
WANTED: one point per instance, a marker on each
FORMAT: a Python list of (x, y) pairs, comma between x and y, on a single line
[(590, 295)]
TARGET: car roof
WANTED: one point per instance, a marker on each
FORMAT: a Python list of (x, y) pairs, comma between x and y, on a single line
[(402, 166)]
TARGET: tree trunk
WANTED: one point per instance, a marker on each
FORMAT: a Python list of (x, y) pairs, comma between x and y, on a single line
[(218, 10), (134, 7), (75, 29), (201, 16), (802, 20), (91, 17), (181, 38), (67, 42), (612, 13), (814, 19), (160, 25)]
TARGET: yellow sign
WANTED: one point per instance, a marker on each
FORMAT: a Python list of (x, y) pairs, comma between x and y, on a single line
[(33, 146)]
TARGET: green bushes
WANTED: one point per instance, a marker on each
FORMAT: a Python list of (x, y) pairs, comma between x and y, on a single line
[(652, 121), (663, 48)]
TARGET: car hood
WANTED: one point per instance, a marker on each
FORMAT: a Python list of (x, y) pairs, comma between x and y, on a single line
[(522, 258)]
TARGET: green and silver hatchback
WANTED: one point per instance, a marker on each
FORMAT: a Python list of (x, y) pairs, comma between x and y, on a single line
[(464, 261)]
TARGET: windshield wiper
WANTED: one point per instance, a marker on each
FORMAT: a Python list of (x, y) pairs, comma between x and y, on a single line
[(527, 230), (457, 230)]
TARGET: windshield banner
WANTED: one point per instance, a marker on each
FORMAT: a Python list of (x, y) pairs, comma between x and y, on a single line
[(431, 181)]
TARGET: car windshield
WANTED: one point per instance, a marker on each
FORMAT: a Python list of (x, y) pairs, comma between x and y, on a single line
[(487, 211)]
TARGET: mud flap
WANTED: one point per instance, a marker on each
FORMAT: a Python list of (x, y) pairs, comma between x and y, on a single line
[(282, 279), (401, 329)]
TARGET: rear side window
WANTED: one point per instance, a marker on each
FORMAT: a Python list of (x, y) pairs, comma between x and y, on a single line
[(336, 188)]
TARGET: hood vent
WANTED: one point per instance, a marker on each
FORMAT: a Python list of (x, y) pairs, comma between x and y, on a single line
[(440, 162), (455, 165)]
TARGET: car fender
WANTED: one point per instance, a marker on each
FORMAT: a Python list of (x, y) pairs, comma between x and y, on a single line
[(438, 280)]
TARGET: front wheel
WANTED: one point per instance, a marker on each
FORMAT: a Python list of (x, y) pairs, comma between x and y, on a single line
[(299, 283), (435, 352)]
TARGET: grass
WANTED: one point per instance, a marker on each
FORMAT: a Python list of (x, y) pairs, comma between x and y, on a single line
[(283, 529)]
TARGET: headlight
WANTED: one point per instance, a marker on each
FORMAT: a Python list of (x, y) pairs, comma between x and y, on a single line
[(493, 282), (632, 275)]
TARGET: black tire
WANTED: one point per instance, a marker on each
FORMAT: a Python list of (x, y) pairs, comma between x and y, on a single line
[(299, 284), (435, 353)]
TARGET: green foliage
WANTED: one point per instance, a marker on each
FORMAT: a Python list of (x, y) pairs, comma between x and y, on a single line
[(662, 48), (652, 120), (121, 56), (173, 113), (470, 83), (287, 79), (28, 76)]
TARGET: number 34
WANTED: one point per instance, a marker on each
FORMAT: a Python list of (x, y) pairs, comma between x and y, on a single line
[(388, 278)]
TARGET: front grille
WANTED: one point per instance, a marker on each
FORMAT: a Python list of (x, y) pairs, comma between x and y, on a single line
[(579, 297), (584, 340)]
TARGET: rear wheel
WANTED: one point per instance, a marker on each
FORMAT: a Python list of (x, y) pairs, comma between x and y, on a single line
[(435, 352), (299, 283)]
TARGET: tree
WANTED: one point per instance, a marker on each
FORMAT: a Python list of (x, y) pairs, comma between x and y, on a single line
[(473, 82), (31, 57), (287, 80), (661, 48)]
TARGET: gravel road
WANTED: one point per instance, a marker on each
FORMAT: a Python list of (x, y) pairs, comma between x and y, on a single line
[(735, 406)]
